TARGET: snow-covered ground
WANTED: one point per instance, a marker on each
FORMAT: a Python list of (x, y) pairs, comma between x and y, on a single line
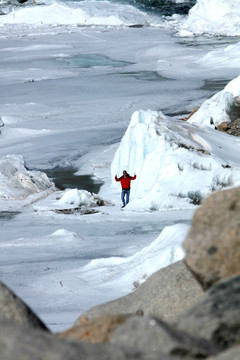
[(83, 102)]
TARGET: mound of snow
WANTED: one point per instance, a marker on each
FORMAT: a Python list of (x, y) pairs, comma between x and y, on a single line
[(215, 17), (16, 182), (75, 198)]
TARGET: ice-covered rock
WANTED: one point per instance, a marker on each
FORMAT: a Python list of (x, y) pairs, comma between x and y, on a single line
[(16, 182), (77, 197)]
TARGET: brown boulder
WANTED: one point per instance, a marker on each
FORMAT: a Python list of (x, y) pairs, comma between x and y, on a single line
[(97, 330), (213, 243), (223, 126)]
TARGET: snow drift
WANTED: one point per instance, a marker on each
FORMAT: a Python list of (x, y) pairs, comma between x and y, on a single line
[(134, 270)]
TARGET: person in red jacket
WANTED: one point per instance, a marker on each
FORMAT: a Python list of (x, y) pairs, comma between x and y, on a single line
[(126, 184)]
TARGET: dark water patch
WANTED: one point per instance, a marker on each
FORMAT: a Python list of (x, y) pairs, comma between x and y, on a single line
[(215, 84), (91, 60), (143, 75), (65, 178), (162, 7), (8, 215), (208, 42), (180, 114)]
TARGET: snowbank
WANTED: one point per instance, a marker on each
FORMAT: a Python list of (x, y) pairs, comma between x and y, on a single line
[(16, 182), (86, 13), (218, 108), (178, 163), (215, 17), (131, 271)]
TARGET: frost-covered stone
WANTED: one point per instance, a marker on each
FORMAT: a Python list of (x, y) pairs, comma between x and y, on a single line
[(16, 182), (77, 197)]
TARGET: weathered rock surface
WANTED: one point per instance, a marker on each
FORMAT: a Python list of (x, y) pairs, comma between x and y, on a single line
[(213, 243), (13, 308), (165, 294), (97, 330), (231, 354), (234, 128), (217, 316), (223, 126), (149, 334), (23, 343)]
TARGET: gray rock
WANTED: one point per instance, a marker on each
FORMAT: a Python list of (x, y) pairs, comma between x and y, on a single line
[(153, 335), (212, 244), (217, 316), (22, 343), (231, 354), (165, 294), (13, 308)]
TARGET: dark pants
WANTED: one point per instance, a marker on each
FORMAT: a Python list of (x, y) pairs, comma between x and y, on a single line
[(125, 193)]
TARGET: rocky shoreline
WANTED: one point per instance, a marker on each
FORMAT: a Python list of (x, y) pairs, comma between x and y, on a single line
[(188, 310)]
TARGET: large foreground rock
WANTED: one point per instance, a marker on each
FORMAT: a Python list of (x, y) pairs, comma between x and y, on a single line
[(231, 354), (217, 316), (13, 308), (213, 243), (22, 343), (149, 334), (164, 295)]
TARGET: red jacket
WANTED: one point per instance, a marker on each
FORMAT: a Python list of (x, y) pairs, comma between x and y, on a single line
[(125, 181)]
